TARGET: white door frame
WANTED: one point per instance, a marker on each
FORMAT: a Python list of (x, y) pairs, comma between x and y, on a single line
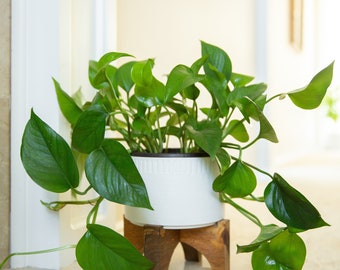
[(36, 45)]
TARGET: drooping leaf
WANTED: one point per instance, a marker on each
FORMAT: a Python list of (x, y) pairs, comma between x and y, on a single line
[(180, 78), (112, 173), (47, 158), (267, 233), (207, 135), (310, 97), (286, 251), (290, 206), (237, 181), (89, 131), (102, 248), (237, 129), (249, 109), (67, 105)]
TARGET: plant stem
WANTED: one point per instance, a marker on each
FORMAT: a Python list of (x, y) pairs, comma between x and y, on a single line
[(243, 211), (82, 192), (94, 211), (35, 253), (57, 205)]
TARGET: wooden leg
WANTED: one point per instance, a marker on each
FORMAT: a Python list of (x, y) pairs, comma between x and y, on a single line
[(191, 254), (159, 245), (212, 242)]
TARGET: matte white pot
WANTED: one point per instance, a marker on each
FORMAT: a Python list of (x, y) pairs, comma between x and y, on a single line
[(180, 191)]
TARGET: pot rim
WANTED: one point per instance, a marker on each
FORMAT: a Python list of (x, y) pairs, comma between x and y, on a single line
[(169, 153)]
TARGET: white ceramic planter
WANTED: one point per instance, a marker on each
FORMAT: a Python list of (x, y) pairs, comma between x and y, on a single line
[(180, 191)]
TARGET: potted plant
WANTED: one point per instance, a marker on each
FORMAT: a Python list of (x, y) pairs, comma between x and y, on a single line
[(133, 111)]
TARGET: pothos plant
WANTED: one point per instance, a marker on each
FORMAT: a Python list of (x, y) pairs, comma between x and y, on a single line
[(132, 111)]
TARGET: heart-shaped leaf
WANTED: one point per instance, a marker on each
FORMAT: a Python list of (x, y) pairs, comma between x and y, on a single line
[(216, 58), (123, 76), (89, 131), (310, 97), (180, 78), (47, 158), (286, 251), (112, 173), (290, 206), (237, 181), (102, 248)]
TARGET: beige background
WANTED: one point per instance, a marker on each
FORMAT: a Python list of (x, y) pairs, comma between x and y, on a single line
[(5, 28)]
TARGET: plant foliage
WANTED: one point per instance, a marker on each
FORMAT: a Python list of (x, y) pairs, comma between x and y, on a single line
[(134, 111)]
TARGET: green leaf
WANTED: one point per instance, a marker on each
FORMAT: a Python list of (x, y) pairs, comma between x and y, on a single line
[(286, 251), (89, 131), (237, 129), (219, 92), (141, 72), (267, 233), (310, 97), (180, 78), (47, 158), (248, 109), (237, 181), (102, 248), (223, 159), (96, 70), (112, 173), (124, 76), (216, 58), (190, 92), (239, 80), (67, 105), (207, 135), (290, 206), (251, 91)]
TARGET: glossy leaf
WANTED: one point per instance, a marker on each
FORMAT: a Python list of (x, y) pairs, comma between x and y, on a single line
[(290, 206), (219, 93), (237, 129), (237, 181), (223, 159), (286, 251), (112, 173), (206, 135), (67, 105), (216, 58), (102, 248), (180, 78), (141, 72), (47, 158), (248, 109), (267, 233), (310, 97), (89, 131), (123, 76), (240, 79), (250, 91)]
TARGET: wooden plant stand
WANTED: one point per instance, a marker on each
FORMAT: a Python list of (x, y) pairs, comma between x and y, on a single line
[(158, 244)]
